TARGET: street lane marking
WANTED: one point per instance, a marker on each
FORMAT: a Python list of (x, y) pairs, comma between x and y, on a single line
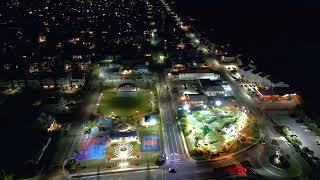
[(166, 135), (174, 133), (175, 139)]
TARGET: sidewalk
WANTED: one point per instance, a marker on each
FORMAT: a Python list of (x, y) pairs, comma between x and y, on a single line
[(104, 169)]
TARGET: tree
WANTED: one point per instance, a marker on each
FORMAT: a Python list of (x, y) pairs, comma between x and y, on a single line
[(306, 120), (8, 177), (311, 125), (298, 112), (296, 141), (307, 151), (286, 131)]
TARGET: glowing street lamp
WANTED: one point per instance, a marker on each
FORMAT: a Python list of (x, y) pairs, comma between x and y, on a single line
[(161, 57), (218, 103), (186, 107)]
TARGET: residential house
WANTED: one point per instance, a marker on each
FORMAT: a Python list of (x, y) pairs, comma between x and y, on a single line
[(140, 70), (78, 80)]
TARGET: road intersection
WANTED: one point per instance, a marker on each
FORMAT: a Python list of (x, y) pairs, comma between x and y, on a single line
[(177, 154)]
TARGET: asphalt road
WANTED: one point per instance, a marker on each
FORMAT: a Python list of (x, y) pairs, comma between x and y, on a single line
[(307, 137), (189, 169), (174, 149), (265, 123)]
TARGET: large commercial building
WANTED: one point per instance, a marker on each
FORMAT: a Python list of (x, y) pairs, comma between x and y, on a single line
[(195, 74), (215, 88), (252, 74), (277, 94)]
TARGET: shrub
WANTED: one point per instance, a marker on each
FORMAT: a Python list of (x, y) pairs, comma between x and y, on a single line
[(286, 131), (311, 125), (295, 140), (306, 150), (196, 153)]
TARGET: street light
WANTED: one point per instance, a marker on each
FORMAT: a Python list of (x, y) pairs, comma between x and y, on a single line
[(161, 57), (186, 107), (218, 103)]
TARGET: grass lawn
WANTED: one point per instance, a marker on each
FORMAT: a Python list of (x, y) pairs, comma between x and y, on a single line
[(125, 106), (95, 72), (147, 131), (255, 131), (149, 155)]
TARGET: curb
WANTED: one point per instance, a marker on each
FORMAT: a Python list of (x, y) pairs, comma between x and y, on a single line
[(224, 157), (232, 154), (111, 172)]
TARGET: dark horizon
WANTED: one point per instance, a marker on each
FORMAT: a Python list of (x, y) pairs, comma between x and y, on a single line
[(277, 35), (161, 89)]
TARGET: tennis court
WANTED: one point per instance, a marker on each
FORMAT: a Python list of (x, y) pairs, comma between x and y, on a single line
[(150, 144)]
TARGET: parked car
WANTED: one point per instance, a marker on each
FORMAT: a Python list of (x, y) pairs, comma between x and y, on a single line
[(172, 170), (250, 171)]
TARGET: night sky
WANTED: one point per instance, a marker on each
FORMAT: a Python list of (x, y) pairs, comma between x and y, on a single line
[(282, 36)]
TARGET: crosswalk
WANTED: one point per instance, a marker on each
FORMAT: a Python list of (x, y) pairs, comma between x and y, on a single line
[(176, 159)]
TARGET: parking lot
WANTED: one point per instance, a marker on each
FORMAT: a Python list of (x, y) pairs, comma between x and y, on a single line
[(307, 137), (250, 88)]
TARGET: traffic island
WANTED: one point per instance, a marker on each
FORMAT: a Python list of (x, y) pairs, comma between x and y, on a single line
[(279, 161)]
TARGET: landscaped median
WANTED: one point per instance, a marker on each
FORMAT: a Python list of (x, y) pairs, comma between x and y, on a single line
[(214, 133), (305, 152)]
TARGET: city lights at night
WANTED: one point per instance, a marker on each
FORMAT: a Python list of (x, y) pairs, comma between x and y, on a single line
[(159, 89)]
